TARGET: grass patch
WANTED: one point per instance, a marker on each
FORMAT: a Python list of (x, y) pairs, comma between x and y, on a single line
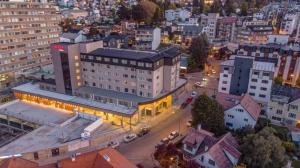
[(296, 163)]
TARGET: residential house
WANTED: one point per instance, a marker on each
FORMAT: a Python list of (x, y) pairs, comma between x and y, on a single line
[(211, 152), (147, 38), (284, 106), (240, 111)]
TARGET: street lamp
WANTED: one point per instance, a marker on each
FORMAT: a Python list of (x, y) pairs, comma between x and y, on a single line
[(177, 160)]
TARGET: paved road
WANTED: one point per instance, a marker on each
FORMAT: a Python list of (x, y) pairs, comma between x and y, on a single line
[(141, 150)]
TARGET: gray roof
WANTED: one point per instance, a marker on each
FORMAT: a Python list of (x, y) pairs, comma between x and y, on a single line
[(70, 35), (286, 91), (136, 54)]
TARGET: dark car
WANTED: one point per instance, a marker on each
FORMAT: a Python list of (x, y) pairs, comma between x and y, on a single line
[(183, 105), (143, 132)]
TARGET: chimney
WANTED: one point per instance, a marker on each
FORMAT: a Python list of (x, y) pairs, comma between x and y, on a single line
[(199, 127)]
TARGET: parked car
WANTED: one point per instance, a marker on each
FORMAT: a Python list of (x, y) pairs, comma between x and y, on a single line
[(194, 94), (173, 135), (204, 79), (189, 99), (183, 105), (143, 131), (198, 84), (213, 71), (130, 137), (164, 141), (113, 144)]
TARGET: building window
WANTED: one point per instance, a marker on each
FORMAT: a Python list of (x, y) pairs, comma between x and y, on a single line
[(266, 74), (223, 88), (279, 111), (35, 156), (229, 124), (253, 80), (226, 68), (126, 90), (224, 82), (115, 60), (55, 152), (263, 88), (294, 107), (246, 119), (94, 84), (251, 94), (211, 162), (124, 61), (253, 87), (262, 95), (292, 115), (240, 110), (265, 81), (255, 73), (276, 118), (230, 116), (225, 75)]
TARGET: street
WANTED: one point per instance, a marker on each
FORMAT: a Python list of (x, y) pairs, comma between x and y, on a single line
[(140, 150)]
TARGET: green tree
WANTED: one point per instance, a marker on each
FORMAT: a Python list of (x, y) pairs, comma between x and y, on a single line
[(263, 149), (93, 31), (244, 9), (216, 7), (67, 24), (157, 17), (229, 8), (209, 113), (124, 13), (199, 51), (298, 82), (138, 13), (278, 80)]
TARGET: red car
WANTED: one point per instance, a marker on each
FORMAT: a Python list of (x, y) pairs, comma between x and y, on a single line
[(189, 100)]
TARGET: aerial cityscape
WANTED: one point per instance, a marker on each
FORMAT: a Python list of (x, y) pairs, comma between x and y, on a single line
[(149, 83)]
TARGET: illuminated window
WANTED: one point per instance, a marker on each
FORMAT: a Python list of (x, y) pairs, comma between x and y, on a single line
[(78, 77), (79, 83), (76, 57), (77, 64)]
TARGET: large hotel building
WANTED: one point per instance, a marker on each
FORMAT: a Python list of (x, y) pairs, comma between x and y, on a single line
[(121, 85), (27, 28)]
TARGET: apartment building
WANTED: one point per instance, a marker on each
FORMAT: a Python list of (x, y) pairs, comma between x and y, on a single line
[(289, 23), (177, 15), (226, 30), (285, 57), (147, 38), (116, 84), (26, 31), (284, 105), (209, 24), (254, 34), (244, 74)]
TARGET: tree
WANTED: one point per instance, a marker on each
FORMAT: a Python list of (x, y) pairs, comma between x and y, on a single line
[(229, 8), (216, 7), (67, 24), (244, 9), (199, 52), (157, 17), (138, 13), (298, 82), (278, 80), (209, 113), (124, 13), (263, 149), (93, 31)]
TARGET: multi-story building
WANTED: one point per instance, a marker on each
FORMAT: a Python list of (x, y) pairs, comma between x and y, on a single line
[(209, 24), (226, 29), (177, 15), (254, 34), (117, 84), (246, 75), (26, 31), (289, 23), (285, 57), (147, 38), (284, 105)]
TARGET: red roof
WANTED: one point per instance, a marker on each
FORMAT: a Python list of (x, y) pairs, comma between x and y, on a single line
[(251, 106), (228, 101), (218, 149), (105, 158), (17, 162)]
